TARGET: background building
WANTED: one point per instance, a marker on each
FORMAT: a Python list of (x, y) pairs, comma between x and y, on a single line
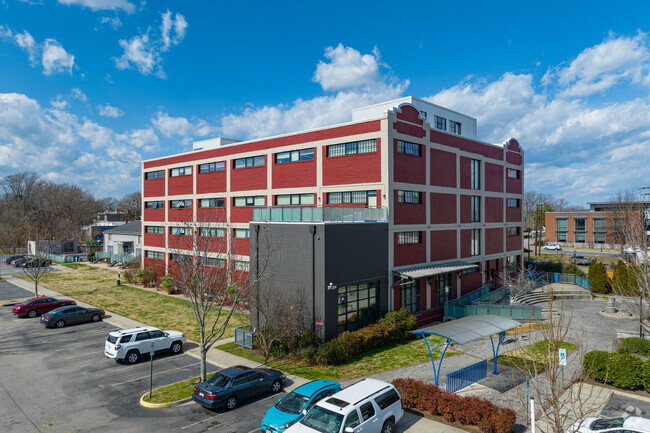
[(452, 204)]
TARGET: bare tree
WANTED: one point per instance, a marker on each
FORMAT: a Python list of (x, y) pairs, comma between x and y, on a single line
[(131, 205)]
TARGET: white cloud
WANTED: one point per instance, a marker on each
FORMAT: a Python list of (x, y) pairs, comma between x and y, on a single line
[(108, 110), (53, 57), (61, 102), (347, 69), (79, 95), (181, 127), (113, 22), (143, 52), (100, 5)]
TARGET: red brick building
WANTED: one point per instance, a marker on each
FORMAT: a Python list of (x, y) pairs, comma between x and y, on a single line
[(454, 204)]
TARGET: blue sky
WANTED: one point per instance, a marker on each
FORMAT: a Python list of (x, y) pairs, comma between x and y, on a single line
[(89, 88)]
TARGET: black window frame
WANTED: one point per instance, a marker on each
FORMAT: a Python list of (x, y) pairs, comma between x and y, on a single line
[(513, 231), (215, 202), (512, 203), (512, 173), (476, 242), (408, 148), (181, 171), (211, 167), (154, 230), (157, 255), (409, 238), (351, 197), (440, 123), (411, 296), (409, 197), (174, 204), (300, 155), (156, 204), (475, 208), (250, 201), (475, 174), (151, 175), (352, 148), (249, 162)]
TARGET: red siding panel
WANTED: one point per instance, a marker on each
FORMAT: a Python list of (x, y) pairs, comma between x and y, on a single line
[(295, 174), (493, 209), (494, 240), (154, 215), (443, 245), (248, 179), (513, 186), (409, 113), (351, 169), (180, 242), (408, 129), (513, 214), (211, 182), (443, 208), (154, 188), (465, 244), (180, 215), (465, 172), (471, 282), (409, 168), (180, 185), (211, 214), (154, 240), (514, 243), (241, 246), (465, 209), (158, 266), (493, 177), (410, 254), (407, 213), (241, 214), (467, 145), (443, 168), (513, 158)]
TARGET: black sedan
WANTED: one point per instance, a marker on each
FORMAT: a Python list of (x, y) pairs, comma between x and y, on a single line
[(10, 259), (234, 384), (70, 315)]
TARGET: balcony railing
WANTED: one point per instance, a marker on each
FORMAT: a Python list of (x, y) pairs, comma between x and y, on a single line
[(319, 214)]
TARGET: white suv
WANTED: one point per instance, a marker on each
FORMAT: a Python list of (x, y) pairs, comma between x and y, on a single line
[(130, 344), (370, 405)]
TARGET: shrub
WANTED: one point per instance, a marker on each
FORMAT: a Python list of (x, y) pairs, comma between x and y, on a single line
[(145, 276), (595, 364), (546, 266), (572, 268), (625, 371), (167, 283), (620, 280), (128, 276), (453, 408), (91, 256), (636, 345), (598, 277), (645, 375)]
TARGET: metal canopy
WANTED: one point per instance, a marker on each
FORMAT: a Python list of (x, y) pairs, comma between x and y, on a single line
[(434, 269), (470, 328), (466, 330)]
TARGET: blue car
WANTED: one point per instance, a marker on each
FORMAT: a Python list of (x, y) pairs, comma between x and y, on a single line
[(294, 406)]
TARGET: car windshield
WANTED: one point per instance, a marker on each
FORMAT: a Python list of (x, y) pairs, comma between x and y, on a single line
[(602, 424), (25, 302), (218, 380), (111, 339), (293, 403), (323, 420)]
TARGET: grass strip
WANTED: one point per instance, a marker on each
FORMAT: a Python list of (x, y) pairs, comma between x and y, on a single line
[(535, 358), (373, 361)]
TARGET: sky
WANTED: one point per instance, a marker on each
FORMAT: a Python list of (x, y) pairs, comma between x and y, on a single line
[(90, 88)]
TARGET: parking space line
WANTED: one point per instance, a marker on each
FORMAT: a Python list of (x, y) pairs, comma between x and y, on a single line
[(254, 430), (156, 374), (92, 343), (132, 366), (198, 422)]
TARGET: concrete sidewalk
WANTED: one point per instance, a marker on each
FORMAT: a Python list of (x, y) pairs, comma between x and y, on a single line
[(410, 423)]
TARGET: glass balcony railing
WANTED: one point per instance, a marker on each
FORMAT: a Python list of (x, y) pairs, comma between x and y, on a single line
[(319, 214)]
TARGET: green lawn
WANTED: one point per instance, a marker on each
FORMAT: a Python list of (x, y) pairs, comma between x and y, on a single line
[(387, 358), (97, 287), (536, 357)]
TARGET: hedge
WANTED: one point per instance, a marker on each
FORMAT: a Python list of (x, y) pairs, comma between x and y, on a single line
[(485, 415), (621, 369), (636, 345)]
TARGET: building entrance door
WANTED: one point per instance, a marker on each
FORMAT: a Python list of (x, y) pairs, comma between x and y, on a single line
[(372, 201)]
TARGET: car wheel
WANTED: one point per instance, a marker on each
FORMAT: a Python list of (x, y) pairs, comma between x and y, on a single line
[(59, 324), (388, 427), (231, 403), (95, 318), (276, 386), (32, 313), (177, 346), (132, 357)]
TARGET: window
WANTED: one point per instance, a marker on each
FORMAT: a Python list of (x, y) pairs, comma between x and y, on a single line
[(253, 161), (217, 263), (241, 379), (154, 175), (476, 209), (157, 334), (211, 202), (367, 411), (454, 127), (512, 173), (600, 228), (386, 399), (513, 202), (249, 201), (212, 166), (408, 148), (408, 197), (476, 242), (561, 236), (441, 123), (405, 238), (352, 420), (366, 146), (357, 305), (180, 231), (158, 230), (242, 233), (580, 237), (475, 169), (213, 232), (512, 264), (180, 171), (154, 205), (444, 288), (142, 336), (513, 231), (180, 258), (411, 296), (294, 155), (241, 265), (580, 224), (350, 197), (180, 204), (294, 199), (154, 255)]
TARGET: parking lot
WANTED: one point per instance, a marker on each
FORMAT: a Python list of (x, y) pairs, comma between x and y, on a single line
[(6, 269), (57, 380)]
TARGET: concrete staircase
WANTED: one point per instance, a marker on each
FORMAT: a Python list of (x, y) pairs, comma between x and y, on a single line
[(555, 291)]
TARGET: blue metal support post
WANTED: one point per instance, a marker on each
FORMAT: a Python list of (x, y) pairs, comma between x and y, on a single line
[(495, 351), (436, 373)]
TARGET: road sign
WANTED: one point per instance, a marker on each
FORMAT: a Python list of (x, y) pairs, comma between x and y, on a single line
[(562, 356), (151, 353)]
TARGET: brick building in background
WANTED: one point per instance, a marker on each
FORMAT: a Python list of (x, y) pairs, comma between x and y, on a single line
[(447, 208)]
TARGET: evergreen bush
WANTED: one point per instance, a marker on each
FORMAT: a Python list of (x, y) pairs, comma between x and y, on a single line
[(625, 371), (595, 364), (620, 280), (598, 278), (167, 283)]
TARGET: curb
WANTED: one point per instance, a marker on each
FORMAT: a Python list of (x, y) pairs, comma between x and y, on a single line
[(161, 405), (12, 302)]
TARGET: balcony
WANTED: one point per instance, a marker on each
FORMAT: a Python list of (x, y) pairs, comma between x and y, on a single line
[(319, 214)]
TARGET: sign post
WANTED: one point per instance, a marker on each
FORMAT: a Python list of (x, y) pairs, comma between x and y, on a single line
[(562, 362), (151, 371)]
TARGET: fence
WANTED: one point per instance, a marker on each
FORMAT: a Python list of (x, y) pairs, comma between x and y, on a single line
[(454, 308), (244, 338), (68, 258), (554, 277), (466, 376), (319, 214), (512, 311), (115, 257)]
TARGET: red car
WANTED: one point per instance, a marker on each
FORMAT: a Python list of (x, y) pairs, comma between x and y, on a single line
[(35, 306)]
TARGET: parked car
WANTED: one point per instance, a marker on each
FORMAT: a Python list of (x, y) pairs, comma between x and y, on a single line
[(370, 405), (228, 387), (36, 263), (294, 406), (10, 259), (630, 424), (556, 247), (71, 314), (631, 249), (130, 344), (35, 306), (580, 260), (18, 262)]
